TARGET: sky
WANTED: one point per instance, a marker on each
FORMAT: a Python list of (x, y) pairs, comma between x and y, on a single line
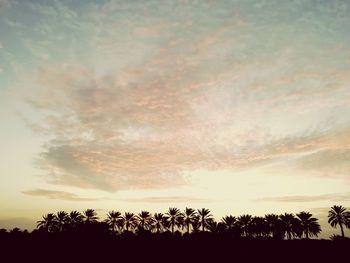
[(236, 106)]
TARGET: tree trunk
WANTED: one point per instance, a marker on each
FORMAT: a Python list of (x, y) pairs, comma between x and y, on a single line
[(342, 230)]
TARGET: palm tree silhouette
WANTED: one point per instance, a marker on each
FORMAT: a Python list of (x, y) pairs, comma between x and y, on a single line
[(121, 224), (175, 218), (272, 221), (258, 226), (308, 224), (129, 220), (190, 216), (338, 216), (75, 218), (229, 222), (283, 226), (158, 221), (90, 216), (213, 226), (289, 223), (204, 217), (144, 220), (62, 220), (49, 223), (112, 220), (244, 222), (166, 223)]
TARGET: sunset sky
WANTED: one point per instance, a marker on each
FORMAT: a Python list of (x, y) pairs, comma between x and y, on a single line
[(236, 106)]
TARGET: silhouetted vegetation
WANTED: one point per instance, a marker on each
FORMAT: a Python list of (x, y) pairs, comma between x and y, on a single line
[(190, 231)]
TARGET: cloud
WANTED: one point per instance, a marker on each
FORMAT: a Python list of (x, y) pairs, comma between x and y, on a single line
[(60, 195), (113, 134), (169, 199), (143, 101), (327, 162), (336, 197)]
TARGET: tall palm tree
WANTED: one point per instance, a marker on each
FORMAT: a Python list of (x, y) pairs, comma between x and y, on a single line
[(74, 219), (112, 220), (229, 222), (272, 222), (90, 216), (62, 220), (175, 218), (244, 222), (289, 224), (258, 226), (204, 217), (129, 220), (190, 216), (196, 226), (338, 216), (308, 224), (121, 224), (49, 222), (158, 221), (144, 220), (166, 223)]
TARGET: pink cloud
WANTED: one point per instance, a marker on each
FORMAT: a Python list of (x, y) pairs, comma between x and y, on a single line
[(145, 124)]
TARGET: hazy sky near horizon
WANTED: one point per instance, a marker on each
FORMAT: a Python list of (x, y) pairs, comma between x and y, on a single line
[(238, 106)]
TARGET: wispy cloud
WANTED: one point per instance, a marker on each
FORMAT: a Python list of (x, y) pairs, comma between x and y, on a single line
[(139, 102), (169, 199), (60, 195), (327, 162), (336, 197)]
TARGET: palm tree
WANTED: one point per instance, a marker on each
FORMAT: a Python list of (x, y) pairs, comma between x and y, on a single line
[(112, 219), (62, 220), (166, 223), (229, 222), (75, 218), (338, 216), (158, 221), (129, 220), (90, 216), (144, 220), (190, 216), (213, 226), (272, 223), (308, 224), (204, 217), (121, 224), (175, 218), (196, 226), (289, 223), (244, 222), (258, 226), (49, 223)]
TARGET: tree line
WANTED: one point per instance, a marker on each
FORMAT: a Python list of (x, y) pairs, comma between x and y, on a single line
[(191, 221)]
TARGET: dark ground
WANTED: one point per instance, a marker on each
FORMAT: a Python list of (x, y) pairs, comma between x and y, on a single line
[(194, 248)]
